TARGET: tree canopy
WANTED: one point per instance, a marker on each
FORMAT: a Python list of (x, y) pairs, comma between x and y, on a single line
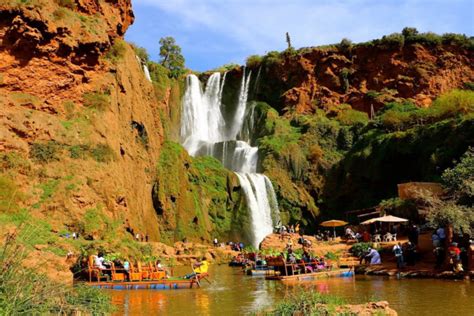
[(171, 57)]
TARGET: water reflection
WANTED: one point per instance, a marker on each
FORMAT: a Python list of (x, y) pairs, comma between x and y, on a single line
[(232, 293)]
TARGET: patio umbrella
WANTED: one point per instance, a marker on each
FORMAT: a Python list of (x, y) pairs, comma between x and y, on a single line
[(334, 223), (391, 219), (385, 219)]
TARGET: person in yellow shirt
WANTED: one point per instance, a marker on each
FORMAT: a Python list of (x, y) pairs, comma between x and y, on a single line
[(200, 267)]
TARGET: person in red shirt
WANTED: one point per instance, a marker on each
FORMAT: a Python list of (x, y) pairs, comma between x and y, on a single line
[(455, 257)]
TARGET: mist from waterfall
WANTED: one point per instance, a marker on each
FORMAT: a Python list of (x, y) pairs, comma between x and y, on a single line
[(204, 131)]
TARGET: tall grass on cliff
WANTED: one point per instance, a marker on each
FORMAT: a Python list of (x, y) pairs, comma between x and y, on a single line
[(25, 291)]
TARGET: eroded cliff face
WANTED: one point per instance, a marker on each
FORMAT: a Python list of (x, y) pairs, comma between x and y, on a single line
[(363, 76), (78, 116)]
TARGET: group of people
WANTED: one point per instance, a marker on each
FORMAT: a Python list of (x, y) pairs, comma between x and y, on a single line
[(284, 230), (405, 254), (307, 262), (236, 246), (105, 265)]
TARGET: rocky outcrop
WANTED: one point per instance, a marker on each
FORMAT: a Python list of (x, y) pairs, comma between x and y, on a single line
[(364, 76), (72, 94)]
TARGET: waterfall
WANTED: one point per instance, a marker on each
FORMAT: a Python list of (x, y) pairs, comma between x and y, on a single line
[(204, 131), (147, 72)]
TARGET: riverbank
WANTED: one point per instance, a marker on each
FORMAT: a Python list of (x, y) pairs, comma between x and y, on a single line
[(339, 250)]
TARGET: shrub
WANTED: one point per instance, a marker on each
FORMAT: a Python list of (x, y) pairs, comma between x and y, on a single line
[(272, 58), (409, 32), (307, 303), (10, 196), (116, 51), (25, 291), (393, 40), (79, 151), (352, 117), (254, 61), (469, 86), (44, 152), (96, 100), (14, 161), (66, 3), (103, 153), (360, 248), (141, 52), (345, 45)]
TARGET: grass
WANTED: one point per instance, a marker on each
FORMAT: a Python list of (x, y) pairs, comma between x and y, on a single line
[(117, 51), (44, 152), (102, 153), (307, 303), (25, 291), (96, 100), (22, 99)]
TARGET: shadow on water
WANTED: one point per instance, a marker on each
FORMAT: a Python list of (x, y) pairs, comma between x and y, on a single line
[(232, 293)]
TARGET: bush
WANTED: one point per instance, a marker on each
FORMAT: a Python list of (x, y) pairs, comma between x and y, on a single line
[(70, 4), (254, 61), (116, 51), (393, 40), (345, 45), (352, 117), (272, 58), (79, 151), (469, 86), (103, 153), (27, 292), (44, 152), (360, 248), (409, 32), (141, 52), (96, 100), (307, 303)]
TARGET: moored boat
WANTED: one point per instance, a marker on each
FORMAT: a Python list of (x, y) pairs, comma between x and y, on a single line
[(164, 284), (311, 276)]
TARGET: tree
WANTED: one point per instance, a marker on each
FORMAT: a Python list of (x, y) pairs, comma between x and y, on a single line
[(459, 180), (171, 57), (409, 32), (288, 40)]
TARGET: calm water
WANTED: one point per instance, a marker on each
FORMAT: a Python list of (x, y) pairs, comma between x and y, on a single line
[(232, 293)]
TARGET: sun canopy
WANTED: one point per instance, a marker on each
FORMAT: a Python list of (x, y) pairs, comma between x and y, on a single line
[(385, 219), (333, 223)]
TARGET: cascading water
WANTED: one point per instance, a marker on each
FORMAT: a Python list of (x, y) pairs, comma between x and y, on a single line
[(147, 73), (204, 131)]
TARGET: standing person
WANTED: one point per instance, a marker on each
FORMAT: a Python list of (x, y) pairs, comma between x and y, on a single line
[(442, 235), (297, 228), (411, 253), (455, 257), (216, 242), (137, 237), (397, 250), (435, 240), (439, 254)]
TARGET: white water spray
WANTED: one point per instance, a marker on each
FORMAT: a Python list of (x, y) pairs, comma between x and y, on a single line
[(204, 131)]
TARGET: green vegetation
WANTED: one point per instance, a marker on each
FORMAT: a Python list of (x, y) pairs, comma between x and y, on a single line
[(195, 196), (103, 153), (171, 57), (44, 152), (25, 291), (23, 99), (308, 303), (141, 52), (10, 195), (96, 100), (117, 51)]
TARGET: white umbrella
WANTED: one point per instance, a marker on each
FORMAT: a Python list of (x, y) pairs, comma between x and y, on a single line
[(391, 219), (385, 219)]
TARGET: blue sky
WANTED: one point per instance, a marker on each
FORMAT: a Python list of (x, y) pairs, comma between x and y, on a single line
[(216, 32)]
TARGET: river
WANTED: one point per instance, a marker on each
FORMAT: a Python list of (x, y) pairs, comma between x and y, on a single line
[(232, 293)]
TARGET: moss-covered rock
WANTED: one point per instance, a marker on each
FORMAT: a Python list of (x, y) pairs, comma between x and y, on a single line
[(196, 198)]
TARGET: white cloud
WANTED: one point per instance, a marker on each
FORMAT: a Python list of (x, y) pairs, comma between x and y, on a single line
[(256, 26)]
